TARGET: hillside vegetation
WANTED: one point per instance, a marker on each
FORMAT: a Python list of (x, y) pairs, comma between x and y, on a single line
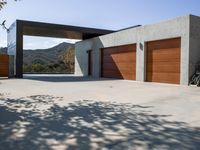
[(58, 59)]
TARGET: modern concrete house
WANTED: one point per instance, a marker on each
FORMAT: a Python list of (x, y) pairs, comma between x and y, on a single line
[(165, 52)]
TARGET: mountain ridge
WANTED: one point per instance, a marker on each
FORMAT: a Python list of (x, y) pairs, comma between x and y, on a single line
[(59, 58), (48, 56)]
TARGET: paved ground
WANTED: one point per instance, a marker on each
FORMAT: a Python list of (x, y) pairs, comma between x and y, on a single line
[(83, 113)]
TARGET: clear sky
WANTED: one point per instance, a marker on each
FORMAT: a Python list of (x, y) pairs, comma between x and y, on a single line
[(107, 14)]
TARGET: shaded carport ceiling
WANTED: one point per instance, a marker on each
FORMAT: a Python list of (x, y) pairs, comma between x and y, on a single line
[(59, 31)]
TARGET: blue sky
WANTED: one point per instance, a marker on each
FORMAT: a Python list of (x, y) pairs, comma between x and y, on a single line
[(107, 14)]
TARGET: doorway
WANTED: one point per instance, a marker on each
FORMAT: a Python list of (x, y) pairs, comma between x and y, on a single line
[(89, 62)]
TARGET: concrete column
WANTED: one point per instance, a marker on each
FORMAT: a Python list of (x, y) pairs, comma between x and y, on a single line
[(140, 61), (184, 76), (96, 56), (11, 66)]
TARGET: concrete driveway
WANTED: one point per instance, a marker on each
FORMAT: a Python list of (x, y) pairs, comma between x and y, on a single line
[(68, 112)]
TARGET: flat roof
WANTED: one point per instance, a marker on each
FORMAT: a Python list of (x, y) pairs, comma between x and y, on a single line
[(61, 31)]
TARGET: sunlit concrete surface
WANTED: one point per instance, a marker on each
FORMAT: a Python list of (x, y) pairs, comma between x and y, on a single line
[(71, 112)]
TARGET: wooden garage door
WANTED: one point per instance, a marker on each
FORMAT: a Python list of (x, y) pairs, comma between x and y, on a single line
[(4, 62), (119, 62), (163, 61)]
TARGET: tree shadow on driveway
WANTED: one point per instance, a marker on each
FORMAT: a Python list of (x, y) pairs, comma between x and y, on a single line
[(40, 122)]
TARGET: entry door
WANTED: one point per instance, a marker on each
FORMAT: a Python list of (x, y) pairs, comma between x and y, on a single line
[(89, 62), (119, 62), (163, 61)]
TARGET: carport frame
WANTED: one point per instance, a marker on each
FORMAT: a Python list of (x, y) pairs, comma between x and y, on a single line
[(22, 27)]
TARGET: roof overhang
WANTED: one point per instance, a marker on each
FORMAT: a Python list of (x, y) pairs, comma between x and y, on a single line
[(59, 31)]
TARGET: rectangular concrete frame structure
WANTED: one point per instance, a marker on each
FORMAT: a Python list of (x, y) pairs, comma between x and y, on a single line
[(186, 27), (21, 27)]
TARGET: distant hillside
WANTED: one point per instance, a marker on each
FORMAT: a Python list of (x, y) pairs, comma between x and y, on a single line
[(46, 56), (58, 59)]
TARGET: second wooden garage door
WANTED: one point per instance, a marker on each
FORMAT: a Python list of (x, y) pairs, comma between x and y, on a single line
[(163, 61), (119, 62)]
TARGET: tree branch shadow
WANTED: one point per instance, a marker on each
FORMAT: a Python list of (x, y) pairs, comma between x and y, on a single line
[(39, 122)]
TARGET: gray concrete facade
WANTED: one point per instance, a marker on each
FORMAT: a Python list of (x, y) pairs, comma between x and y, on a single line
[(194, 53), (185, 27)]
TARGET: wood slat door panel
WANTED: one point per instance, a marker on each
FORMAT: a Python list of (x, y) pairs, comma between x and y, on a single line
[(120, 58), (165, 67), (4, 58), (164, 55), (119, 75), (4, 65), (165, 44), (124, 66), (163, 61), (119, 62), (164, 77)]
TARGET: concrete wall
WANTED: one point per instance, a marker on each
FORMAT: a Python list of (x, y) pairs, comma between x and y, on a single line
[(178, 27), (194, 56), (11, 66), (15, 48), (81, 57), (12, 37)]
